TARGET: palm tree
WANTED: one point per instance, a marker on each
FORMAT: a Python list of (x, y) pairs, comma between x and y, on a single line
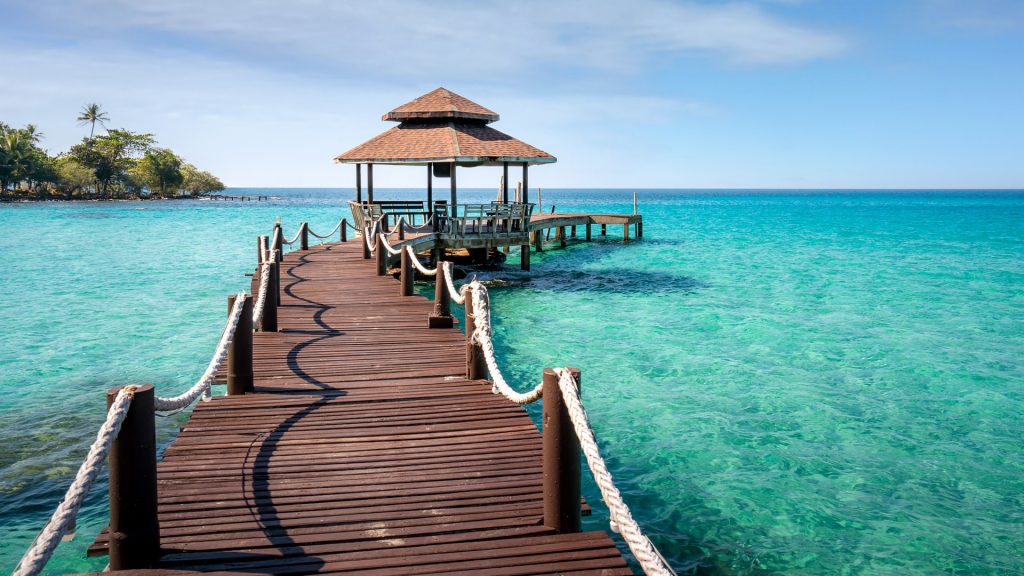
[(14, 159), (92, 114), (32, 133)]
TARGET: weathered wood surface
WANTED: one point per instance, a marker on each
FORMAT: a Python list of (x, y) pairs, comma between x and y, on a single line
[(363, 450)]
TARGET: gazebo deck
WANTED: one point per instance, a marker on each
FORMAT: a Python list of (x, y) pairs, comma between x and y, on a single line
[(425, 238)]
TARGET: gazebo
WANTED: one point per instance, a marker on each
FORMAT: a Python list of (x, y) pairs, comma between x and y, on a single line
[(443, 131)]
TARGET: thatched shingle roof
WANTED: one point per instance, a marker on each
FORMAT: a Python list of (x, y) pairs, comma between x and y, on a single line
[(441, 104), (442, 126)]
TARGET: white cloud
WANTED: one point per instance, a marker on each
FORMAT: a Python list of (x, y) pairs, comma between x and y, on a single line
[(264, 128), (425, 39), (266, 95)]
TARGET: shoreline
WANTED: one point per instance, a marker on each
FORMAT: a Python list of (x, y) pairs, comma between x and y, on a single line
[(239, 198)]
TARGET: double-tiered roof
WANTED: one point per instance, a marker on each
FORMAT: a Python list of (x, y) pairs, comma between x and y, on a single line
[(442, 126)]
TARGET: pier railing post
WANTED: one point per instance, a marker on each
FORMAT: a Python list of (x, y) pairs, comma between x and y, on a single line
[(240, 350), (406, 273), (382, 256), (344, 230), (134, 528), (269, 322), (261, 249), (476, 369), (276, 293), (561, 459), (278, 242), (304, 236), (441, 317)]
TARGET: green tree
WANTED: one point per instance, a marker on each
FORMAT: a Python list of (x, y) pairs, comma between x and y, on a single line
[(199, 182), (22, 160), (111, 156), (91, 114), (160, 171), (72, 177)]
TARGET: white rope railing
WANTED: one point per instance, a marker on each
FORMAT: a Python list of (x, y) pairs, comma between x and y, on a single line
[(369, 233), (46, 542), (621, 519), (384, 243), (202, 386), (457, 295), (482, 336), (329, 234), (403, 224), (294, 238), (277, 234), (261, 297), (419, 266)]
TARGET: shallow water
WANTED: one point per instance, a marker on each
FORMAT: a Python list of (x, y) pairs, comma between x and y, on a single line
[(807, 383)]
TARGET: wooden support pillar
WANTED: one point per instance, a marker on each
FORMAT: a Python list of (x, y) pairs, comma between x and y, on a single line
[(455, 195), (476, 368), (526, 184), (430, 188), (369, 183), (560, 236), (572, 231), (278, 241), (524, 257), (538, 240), (504, 182), (441, 317), (588, 232), (406, 274), (382, 256), (304, 236), (604, 229), (640, 229), (239, 366), (561, 457), (134, 528), (358, 183), (269, 323), (275, 295), (625, 232)]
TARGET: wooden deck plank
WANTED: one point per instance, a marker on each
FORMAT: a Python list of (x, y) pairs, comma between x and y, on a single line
[(363, 450)]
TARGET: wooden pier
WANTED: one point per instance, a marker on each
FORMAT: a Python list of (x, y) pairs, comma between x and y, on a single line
[(363, 432), (363, 448)]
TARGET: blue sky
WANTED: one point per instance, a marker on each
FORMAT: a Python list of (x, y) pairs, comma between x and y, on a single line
[(637, 94)]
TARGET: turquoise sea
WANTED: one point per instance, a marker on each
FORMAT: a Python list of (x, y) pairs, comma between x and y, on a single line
[(783, 382)]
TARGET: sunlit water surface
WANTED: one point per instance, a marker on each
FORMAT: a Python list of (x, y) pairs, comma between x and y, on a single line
[(811, 383)]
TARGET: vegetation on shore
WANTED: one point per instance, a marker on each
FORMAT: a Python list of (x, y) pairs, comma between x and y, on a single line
[(118, 164)]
